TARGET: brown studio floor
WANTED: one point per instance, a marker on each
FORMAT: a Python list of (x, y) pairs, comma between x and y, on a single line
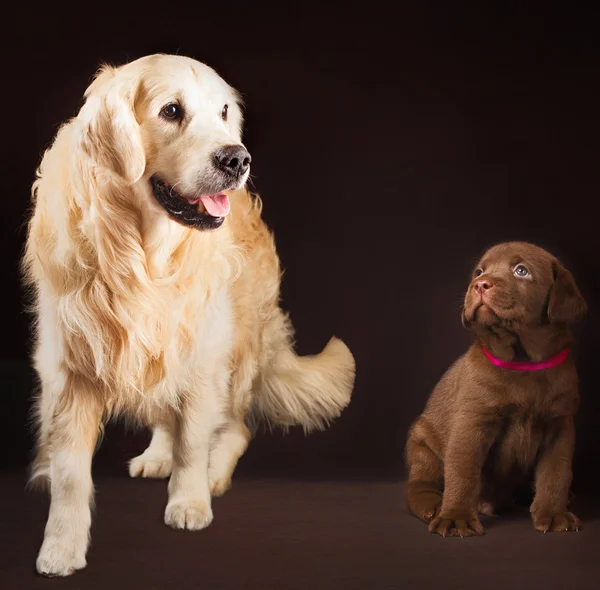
[(285, 534)]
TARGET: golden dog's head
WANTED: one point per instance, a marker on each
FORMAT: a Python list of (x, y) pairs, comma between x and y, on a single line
[(518, 286), (170, 127)]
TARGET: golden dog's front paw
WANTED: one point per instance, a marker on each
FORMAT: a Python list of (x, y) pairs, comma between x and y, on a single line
[(151, 465), (188, 515), (60, 557), (557, 522)]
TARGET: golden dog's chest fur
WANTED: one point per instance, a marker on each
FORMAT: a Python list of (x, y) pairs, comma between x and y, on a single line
[(143, 336)]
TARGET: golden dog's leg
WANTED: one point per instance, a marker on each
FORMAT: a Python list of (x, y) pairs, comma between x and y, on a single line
[(72, 438), (229, 446), (189, 505), (157, 460), (44, 409)]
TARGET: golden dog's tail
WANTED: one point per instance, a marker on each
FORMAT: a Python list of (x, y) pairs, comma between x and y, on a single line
[(308, 391)]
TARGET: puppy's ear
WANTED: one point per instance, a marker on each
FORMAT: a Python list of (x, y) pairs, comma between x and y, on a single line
[(110, 134), (566, 304)]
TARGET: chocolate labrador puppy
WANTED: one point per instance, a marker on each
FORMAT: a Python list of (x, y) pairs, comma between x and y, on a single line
[(504, 411)]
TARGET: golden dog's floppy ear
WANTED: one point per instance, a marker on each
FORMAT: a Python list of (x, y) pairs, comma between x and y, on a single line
[(566, 304), (110, 133)]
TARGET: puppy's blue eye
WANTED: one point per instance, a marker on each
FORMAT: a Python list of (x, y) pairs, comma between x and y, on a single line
[(521, 270)]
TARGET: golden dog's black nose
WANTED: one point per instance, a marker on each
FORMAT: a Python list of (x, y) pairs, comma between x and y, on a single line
[(233, 159)]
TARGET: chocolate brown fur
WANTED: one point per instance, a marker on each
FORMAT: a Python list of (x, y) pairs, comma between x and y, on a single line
[(486, 429)]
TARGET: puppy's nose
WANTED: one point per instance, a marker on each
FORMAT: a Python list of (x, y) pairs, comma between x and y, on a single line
[(483, 285), (233, 159)]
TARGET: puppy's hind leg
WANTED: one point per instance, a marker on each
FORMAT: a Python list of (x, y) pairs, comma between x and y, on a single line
[(426, 477), (157, 460)]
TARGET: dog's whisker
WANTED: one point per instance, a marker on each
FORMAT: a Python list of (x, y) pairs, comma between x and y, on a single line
[(172, 188)]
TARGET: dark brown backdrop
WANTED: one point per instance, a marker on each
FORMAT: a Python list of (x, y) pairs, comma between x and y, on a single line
[(390, 149)]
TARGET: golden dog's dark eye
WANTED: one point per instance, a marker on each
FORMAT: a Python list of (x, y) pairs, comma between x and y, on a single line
[(521, 270), (478, 272), (224, 112), (172, 112)]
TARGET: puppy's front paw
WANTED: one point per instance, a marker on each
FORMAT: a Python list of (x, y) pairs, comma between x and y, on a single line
[(188, 515), (556, 522), (60, 557), (456, 524), (150, 464)]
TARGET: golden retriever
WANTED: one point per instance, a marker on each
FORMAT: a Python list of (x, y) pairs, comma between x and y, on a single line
[(156, 297)]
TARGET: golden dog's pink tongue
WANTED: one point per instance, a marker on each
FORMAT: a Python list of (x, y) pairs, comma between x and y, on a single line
[(216, 205)]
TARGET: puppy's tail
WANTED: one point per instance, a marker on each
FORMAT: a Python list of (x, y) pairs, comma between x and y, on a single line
[(309, 391)]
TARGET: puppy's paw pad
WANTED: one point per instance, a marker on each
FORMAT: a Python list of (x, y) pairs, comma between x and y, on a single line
[(190, 516), (560, 522), (151, 466), (58, 557)]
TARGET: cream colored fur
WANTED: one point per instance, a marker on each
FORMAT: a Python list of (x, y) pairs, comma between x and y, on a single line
[(138, 316)]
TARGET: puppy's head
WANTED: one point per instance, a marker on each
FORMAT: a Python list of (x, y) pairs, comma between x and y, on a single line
[(171, 127), (516, 285)]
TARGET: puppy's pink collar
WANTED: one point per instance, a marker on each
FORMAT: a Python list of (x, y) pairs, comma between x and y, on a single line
[(518, 366)]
